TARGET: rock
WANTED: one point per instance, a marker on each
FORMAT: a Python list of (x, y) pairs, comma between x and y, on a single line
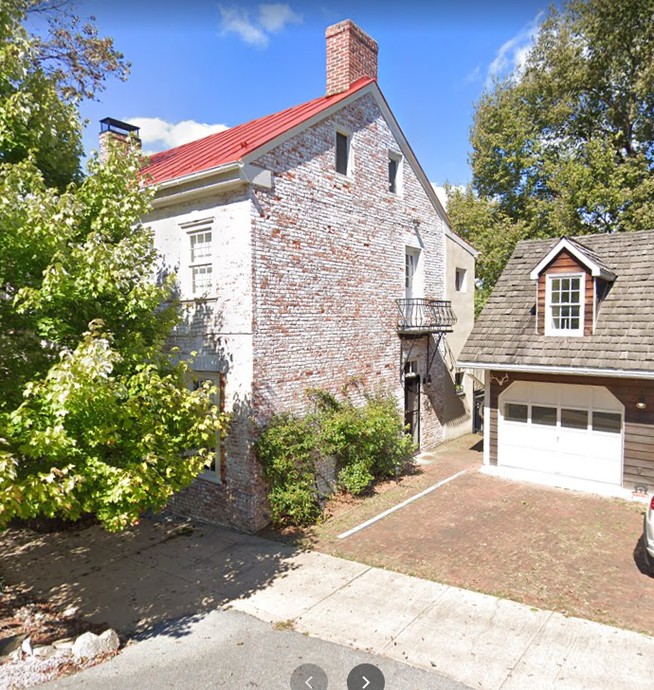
[(70, 612), (44, 652), (64, 643), (89, 645), (26, 646), (11, 644)]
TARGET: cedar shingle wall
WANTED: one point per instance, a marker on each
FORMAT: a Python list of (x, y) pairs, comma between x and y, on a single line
[(639, 424)]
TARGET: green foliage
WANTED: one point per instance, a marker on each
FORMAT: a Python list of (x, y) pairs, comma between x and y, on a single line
[(95, 411), (565, 147), (366, 442)]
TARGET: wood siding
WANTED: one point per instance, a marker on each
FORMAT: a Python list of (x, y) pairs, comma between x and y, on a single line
[(566, 263), (638, 424)]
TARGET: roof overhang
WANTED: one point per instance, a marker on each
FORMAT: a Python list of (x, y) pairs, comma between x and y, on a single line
[(219, 179), (563, 370), (595, 269)]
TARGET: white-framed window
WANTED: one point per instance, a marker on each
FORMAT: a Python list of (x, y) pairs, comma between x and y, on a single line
[(343, 160), (460, 280), (564, 304), (201, 260), (213, 470), (394, 173)]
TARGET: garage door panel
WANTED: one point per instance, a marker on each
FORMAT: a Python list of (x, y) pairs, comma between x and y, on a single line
[(583, 439)]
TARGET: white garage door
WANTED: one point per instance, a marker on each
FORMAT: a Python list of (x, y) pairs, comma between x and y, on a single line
[(562, 430)]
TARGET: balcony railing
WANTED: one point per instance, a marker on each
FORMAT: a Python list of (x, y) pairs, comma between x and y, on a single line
[(419, 316)]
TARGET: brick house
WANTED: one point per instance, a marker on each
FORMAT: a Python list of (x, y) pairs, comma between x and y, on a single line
[(567, 344), (293, 236)]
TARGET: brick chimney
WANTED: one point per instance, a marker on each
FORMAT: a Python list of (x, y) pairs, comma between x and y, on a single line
[(117, 131), (351, 54)]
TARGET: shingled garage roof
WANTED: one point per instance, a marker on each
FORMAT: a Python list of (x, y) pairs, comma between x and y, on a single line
[(623, 340), (234, 143)]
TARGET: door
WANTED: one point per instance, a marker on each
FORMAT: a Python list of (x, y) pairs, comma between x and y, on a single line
[(562, 429), (412, 401), (410, 270)]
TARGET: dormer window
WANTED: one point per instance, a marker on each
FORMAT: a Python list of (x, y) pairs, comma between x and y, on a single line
[(564, 304)]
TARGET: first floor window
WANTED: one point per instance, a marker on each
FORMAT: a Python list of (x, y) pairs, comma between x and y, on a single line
[(214, 465), (565, 305)]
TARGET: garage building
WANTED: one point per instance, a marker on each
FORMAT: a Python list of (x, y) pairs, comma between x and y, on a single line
[(566, 341)]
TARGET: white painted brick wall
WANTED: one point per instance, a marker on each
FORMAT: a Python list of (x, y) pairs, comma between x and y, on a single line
[(329, 263)]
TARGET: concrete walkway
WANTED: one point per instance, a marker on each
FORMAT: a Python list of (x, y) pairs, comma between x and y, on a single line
[(159, 579), (479, 640)]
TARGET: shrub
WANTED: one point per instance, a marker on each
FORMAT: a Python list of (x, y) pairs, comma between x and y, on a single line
[(364, 443)]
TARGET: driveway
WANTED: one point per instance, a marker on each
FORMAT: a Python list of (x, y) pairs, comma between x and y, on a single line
[(561, 550)]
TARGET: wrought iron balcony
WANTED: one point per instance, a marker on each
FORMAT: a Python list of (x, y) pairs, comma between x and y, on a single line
[(420, 316)]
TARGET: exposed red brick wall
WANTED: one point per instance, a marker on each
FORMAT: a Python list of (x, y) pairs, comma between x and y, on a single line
[(351, 54)]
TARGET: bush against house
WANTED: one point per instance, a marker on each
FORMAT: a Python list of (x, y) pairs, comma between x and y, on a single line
[(338, 446)]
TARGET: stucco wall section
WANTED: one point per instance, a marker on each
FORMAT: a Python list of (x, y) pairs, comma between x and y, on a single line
[(329, 263), (458, 407)]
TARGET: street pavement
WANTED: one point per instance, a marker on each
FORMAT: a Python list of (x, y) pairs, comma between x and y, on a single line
[(228, 649)]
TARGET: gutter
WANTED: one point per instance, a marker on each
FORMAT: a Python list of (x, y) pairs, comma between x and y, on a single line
[(569, 371)]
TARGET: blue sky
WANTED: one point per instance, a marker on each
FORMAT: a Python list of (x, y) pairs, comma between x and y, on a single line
[(200, 65)]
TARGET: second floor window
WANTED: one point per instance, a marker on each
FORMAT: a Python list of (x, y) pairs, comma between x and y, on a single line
[(201, 261), (342, 153), (564, 305)]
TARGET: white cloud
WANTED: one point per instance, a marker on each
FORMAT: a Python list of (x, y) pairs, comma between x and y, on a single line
[(159, 135), (441, 193), (256, 32), (512, 54), (275, 17), (474, 75), (238, 22)]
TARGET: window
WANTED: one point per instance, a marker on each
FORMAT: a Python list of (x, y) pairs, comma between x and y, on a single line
[(394, 172), (213, 468), (574, 419), (342, 153), (545, 416), (460, 280), (201, 261), (458, 382), (515, 412), (564, 305), (607, 421)]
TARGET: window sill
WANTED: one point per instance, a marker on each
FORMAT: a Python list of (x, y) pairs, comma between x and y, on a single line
[(211, 477), (565, 334)]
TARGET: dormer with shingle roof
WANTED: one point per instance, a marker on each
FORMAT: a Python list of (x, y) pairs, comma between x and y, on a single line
[(571, 281)]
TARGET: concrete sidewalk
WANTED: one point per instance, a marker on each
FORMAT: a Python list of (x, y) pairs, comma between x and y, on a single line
[(159, 579), (478, 640)]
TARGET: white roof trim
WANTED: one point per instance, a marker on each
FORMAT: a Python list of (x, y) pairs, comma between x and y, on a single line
[(542, 369), (595, 269), (461, 242)]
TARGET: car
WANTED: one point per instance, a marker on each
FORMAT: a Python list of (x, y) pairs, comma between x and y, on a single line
[(648, 535)]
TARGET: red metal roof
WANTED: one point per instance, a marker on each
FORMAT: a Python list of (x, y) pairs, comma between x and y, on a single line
[(232, 144)]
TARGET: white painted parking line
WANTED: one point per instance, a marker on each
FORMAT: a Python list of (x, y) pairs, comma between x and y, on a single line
[(367, 523)]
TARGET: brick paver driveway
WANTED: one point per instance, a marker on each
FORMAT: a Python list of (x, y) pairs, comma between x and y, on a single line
[(550, 548)]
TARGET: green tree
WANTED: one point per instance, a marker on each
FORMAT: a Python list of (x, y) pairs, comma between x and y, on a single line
[(95, 411), (566, 146)]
